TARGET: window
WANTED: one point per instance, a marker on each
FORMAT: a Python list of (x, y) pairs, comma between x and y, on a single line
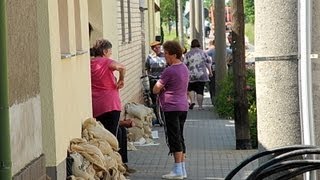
[(129, 22), (78, 25), (64, 26), (126, 30)]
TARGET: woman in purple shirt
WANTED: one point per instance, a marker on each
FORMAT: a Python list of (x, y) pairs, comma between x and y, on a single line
[(172, 89)]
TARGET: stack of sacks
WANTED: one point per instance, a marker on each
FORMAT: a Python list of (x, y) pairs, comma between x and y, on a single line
[(142, 117), (98, 147)]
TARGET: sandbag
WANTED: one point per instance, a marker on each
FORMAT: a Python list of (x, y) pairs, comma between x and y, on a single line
[(117, 157), (147, 131), (131, 147), (88, 151), (96, 130), (81, 167), (137, 110), (135, 134), (138, 123), (103, 145)]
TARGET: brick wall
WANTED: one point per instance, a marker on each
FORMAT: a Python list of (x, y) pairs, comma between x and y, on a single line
[(130, 50)]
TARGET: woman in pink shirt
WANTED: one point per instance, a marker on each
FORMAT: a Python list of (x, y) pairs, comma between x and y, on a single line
[(105, 87)]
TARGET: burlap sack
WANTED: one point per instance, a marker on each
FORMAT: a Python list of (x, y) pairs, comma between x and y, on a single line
[(110, 162), (81, 167), (131, 147), (111, 174), (138, 122), (121, 168), (103, 145), (86, 135), (114, 174), (149, 141), (74, 178), (137, 110), (96, 130), (117, 157), (149, 118), (147, 131), (135, 134), (88, 151)]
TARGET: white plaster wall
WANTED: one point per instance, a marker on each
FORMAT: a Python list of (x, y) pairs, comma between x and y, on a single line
[(26, 132)]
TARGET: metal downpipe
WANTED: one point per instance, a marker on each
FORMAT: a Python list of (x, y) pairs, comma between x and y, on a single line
[(5, 154), (305, 75)]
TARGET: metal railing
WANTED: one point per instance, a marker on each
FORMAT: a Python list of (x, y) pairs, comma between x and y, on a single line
[(285, 163)]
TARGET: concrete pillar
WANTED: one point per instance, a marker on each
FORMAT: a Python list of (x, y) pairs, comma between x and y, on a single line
[(180, 24), (316, 67), (192, 20), (276, 51), (199, 22), (220, 40), (315, 49)]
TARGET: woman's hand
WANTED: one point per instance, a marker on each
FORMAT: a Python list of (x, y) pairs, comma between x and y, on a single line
[(120, 84)]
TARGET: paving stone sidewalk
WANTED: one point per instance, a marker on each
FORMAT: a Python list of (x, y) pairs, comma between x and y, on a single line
[(210, 145)]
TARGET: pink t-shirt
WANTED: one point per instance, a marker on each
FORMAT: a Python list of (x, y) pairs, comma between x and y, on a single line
[(105, 95)]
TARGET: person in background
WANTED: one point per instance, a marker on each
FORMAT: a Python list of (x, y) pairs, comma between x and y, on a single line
[(207, 28), (123, 143), (211, 51), (105, 87), (172, 89), (199, 65), (154, 65), (184, 51)]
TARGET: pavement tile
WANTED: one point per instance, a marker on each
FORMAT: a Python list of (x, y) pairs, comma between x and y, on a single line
[(211, 152)]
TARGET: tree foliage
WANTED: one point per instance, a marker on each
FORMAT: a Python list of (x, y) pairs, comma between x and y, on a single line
[(168, 11), (207, 3), (249, 11)]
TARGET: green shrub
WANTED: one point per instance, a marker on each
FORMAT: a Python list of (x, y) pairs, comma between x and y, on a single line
[(249, 32), (225, 99), (224, 102)]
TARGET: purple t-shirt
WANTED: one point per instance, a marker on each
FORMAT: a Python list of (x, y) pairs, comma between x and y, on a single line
[(175, 79)]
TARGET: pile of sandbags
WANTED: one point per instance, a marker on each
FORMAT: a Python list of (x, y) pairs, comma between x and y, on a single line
[(95, 155), (142, 117)]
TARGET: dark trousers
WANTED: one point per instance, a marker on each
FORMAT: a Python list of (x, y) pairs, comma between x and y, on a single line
[(174, 127), (110, 121), (154, 99), (122, 138), (153, 96), (212, 84)]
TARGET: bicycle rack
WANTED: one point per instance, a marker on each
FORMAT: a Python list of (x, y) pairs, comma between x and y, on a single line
[(281, 162)]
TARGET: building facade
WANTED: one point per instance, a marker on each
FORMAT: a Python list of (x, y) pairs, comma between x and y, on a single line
[(49, 82)]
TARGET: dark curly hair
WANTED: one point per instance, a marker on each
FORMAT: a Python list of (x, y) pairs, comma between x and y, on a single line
[(195, 43), (100, 45), (173, 47)]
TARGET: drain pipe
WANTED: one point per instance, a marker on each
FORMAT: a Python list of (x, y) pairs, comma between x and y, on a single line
[(306, 100), (5, 154)]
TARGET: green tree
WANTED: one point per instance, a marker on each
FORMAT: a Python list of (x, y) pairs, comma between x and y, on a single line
[(207, 3), (168, 11), (249, 11)]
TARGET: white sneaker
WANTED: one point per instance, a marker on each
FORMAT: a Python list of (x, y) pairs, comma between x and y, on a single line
[(172, 175), (184, 174)]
